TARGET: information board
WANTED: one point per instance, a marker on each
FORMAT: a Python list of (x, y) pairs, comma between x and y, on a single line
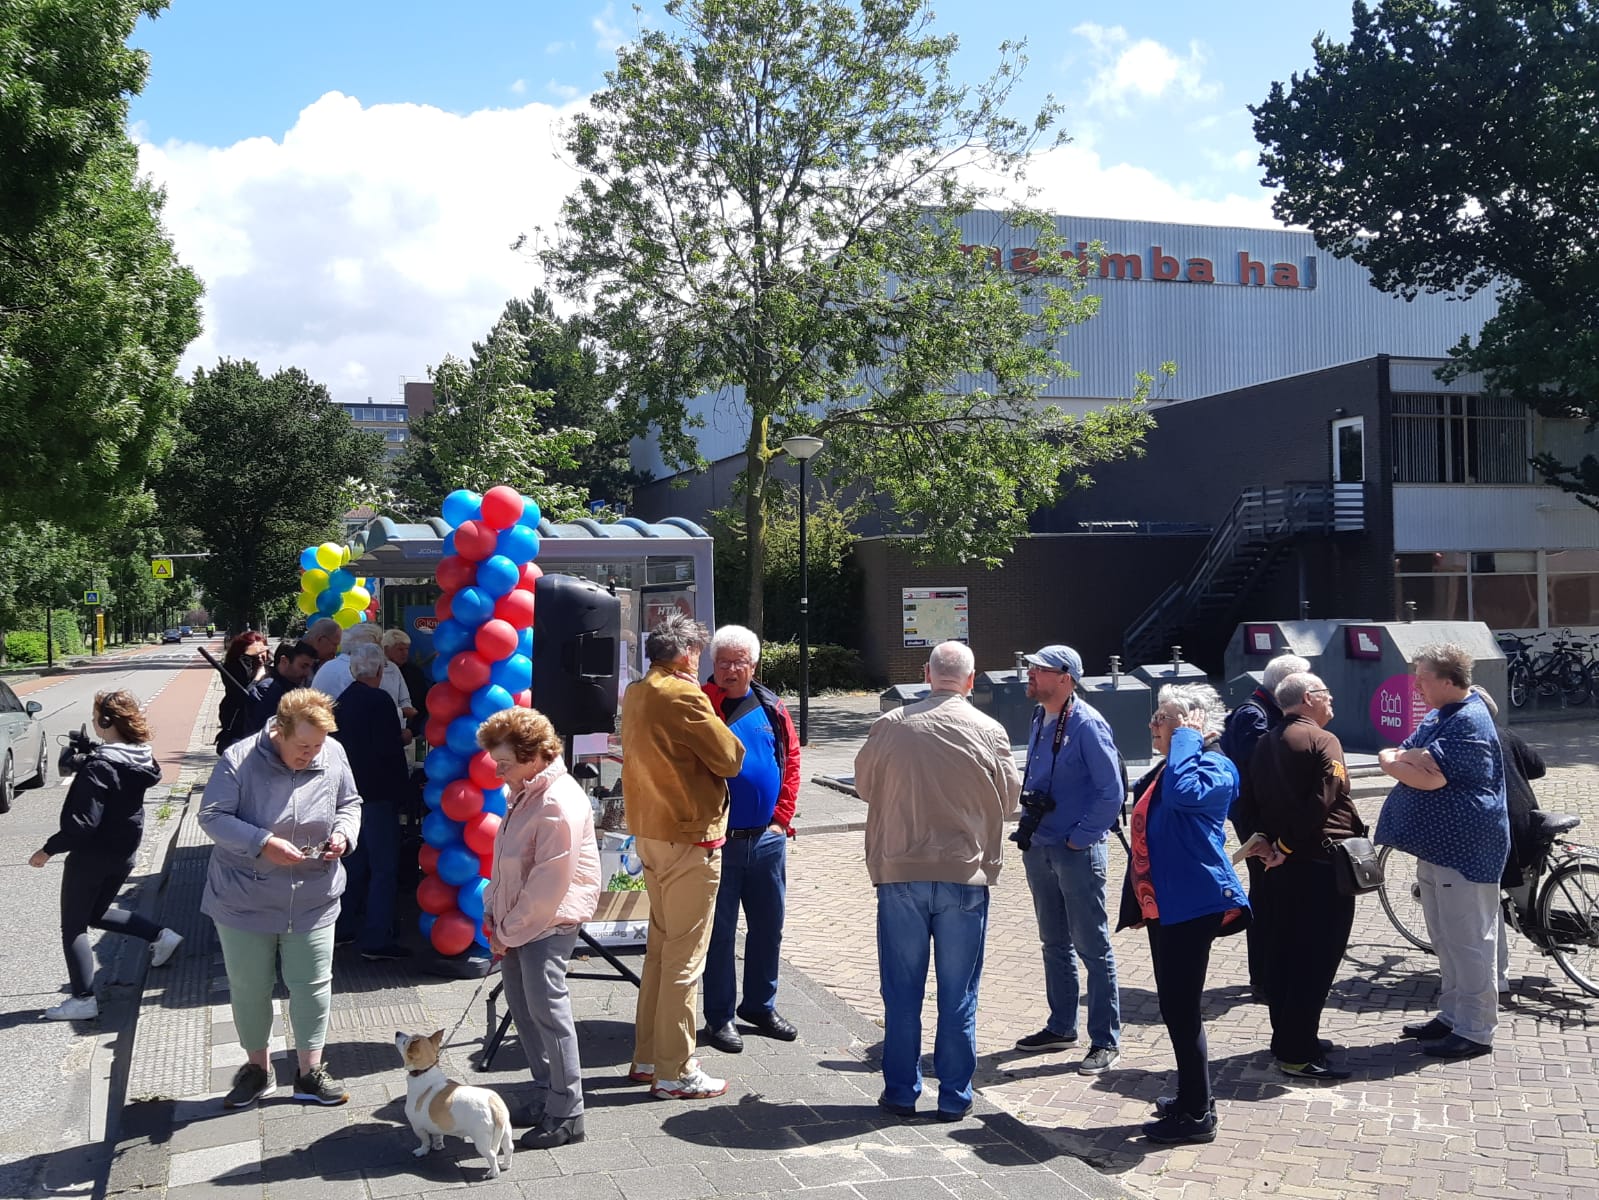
[(934, 615)]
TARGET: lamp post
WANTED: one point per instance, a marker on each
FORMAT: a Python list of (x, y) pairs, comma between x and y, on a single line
[(803, 447)]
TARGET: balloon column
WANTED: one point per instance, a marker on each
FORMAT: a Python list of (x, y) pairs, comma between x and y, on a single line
[(328, 588), (483, 663)]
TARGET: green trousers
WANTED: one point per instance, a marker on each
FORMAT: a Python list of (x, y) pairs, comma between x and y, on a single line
[(252, 961)]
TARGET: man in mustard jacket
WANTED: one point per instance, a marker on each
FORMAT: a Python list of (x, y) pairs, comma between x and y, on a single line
[(677, 756)]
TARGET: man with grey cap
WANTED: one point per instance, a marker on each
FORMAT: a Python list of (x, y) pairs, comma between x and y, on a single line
[(1072, 793)]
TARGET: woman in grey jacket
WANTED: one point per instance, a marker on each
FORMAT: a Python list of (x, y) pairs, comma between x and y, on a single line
[(282, 808)]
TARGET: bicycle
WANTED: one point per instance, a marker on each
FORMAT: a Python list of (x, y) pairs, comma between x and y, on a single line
[(1558, 912), (1560, 670)]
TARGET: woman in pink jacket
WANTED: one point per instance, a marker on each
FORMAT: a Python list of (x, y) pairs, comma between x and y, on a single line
[(545, 884)]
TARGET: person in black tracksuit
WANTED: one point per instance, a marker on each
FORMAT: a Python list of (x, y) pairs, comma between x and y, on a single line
[(102, 823)]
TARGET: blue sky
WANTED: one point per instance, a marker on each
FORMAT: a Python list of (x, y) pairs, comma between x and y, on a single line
[(347, 177)]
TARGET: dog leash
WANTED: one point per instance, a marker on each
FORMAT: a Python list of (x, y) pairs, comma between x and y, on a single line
[(465, 1012)]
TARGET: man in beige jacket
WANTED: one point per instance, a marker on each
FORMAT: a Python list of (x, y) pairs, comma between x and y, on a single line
[(677, 755), (938, 778)]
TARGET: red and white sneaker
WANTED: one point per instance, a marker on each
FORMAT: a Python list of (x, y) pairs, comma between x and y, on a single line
[(694, 1085), (642, 1073)]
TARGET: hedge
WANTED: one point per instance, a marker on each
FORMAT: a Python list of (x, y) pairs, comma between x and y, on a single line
[(833, 668)]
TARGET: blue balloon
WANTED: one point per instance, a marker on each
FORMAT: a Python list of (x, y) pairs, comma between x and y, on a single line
[(329, 602), (462, 736), (340, 581), (424, 922), (488, 700), (497, 576), (514, 674), (433, 793), (362, 618), (518, 543), (441, 833), (457, 864), (472, 606), (443, 764), (450, 637), (308, 560), (531, 516), (470, 898), (480, 938), (449, 544), (494, 801), (462, 505), (524, 643), (440, 670)]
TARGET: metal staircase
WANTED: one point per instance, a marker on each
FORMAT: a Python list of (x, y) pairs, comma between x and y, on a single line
[(1263, 523)]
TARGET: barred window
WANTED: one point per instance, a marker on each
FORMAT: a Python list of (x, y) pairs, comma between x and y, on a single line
[(1461, 439)]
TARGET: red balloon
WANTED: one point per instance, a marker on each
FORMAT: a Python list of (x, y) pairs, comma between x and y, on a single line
[(515, 608), (525, 699), (462, 801), (475, 540), (468, 672), (480, 769), (436, 730), (455, 573), (531, 574), (447, 703), (502, 507), (444, 606), (481, 831), (435, 896), (485, 865), (452, 932), (428, 859), (496, 639)]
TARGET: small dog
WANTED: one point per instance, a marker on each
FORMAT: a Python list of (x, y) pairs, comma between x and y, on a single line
[(436, 1105)]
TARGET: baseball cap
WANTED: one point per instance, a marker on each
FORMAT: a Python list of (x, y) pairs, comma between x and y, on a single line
[(1057, 658)]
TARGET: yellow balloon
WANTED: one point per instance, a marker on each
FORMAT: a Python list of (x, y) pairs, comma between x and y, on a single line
[(330, 556), (306, 603), (347, 617), (313, 582), (357, 598), (344, 555)]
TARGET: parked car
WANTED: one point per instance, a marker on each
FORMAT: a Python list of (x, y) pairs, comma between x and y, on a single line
[(171, 635), (23, 746), (187, 630)]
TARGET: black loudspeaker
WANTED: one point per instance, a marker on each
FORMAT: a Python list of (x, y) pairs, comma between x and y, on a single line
[(577, 633)]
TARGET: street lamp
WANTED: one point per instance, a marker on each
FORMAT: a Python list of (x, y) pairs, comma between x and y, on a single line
[(803, 447)]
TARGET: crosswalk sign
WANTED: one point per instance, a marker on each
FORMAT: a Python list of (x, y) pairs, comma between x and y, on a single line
[(91, 597), (161, 568)]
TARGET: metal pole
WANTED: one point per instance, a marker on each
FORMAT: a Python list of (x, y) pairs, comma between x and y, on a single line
[(804, 623), (49, 637)]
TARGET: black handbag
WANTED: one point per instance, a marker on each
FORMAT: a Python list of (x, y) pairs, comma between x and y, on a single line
[(1355, 867)]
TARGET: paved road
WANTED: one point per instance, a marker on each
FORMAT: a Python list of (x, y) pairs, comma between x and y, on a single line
[(53, 1075)]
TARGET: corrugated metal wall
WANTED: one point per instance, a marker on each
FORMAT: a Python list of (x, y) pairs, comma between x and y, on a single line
[(1478, 517)]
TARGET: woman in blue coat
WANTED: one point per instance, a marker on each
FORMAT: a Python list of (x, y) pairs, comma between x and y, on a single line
[(1181, 886)]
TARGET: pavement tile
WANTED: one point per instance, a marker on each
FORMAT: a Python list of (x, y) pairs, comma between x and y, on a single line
[(344, 1186), (841, 1166), (659, 1150), (681, 1182), (238, 1160), (214, 1126), (233, 1189)]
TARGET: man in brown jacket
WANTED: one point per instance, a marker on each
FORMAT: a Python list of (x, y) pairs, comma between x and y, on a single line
[(677, 756), (938, 778)]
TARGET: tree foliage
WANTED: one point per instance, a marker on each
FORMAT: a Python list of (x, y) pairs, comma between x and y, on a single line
[(263, 467), (95, 309), (768, 216), (1451, 147)]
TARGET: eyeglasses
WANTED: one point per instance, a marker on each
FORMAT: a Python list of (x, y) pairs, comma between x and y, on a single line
[(727, 664), (1160, 719), (316, 850), (1320, 692)]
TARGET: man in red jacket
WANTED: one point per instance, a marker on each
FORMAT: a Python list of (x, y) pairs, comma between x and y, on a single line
[(755, 858)]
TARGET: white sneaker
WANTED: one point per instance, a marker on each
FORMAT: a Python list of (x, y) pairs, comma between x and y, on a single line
[(694, 1085), (164, 947), (76, 1008)]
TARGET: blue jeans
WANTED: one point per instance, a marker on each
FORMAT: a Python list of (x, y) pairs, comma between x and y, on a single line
[(366, 910), (954, 917), (1068, 889), (754, 875)]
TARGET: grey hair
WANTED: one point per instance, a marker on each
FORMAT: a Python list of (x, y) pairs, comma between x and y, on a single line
[(1196, 698), (736, 637), (1291, 692), (951, 662), (364, 634), (1279, 669), (675, 636), (1488, 700), (1448, 661), (396, 637), (366, 661), (321, 626)]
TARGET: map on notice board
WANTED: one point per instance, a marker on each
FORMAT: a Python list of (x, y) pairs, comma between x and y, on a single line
[(934, 615)]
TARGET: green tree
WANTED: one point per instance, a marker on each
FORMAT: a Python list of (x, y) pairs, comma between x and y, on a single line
[(95, 309), (263, 467), (489, 427), (768, 214), (1450, 147)]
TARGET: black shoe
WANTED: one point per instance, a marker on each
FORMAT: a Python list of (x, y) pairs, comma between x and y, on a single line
[(899, 1110), (319, 1086), (385, 953), (1317, 1070), (1455, 1046), (725, 1038), (1046, 1039), (1427, 1031), (770, 1022), (1166, 1105), (1325, 1045), (525, 1116), (250, 1083), (554, 1131), (1175, 1129), (949, 1118)]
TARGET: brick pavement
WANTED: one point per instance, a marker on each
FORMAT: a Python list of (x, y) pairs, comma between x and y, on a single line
[(1519, 1123)]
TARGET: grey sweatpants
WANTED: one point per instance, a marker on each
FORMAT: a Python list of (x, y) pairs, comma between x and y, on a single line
[(535, 990)]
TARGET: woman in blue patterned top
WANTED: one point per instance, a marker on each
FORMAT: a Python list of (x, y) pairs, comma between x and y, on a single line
[(1448, 809)]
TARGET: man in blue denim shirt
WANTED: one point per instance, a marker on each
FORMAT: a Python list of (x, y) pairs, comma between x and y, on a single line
[(1072, 760)]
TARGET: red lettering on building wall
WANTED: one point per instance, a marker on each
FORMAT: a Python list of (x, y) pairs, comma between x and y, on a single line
[(1201, 270), (1284, 275), (1158, 266), (1250, 272)]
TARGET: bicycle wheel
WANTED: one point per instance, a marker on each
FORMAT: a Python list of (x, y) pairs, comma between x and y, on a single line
[(1568, 911), (1401, 896), (1520, 684), (1575, 687)]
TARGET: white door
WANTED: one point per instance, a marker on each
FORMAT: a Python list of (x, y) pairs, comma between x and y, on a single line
[(1349, 473)]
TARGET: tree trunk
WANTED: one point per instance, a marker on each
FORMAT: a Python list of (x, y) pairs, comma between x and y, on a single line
[(755, 459)]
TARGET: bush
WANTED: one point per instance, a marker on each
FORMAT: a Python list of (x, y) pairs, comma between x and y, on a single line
[(25, 647), (833, 668)]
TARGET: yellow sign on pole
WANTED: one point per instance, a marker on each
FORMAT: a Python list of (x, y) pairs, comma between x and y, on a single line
[(161, 568), (99, 632)]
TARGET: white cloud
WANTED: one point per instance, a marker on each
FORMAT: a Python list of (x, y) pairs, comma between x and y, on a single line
[(366, 243), (562, 91), (518, 87), (1140, 70), (559, 47), (607, 33)]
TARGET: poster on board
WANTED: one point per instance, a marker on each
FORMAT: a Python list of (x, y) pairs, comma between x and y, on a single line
[(934, 615)]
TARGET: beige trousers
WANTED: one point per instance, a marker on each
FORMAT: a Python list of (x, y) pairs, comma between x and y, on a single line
[(681, 879)]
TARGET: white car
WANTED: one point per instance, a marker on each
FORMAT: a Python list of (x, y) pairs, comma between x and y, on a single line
[(24, 749)]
